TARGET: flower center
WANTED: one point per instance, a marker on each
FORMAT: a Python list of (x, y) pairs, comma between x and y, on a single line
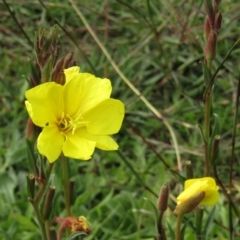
[(67, 123)]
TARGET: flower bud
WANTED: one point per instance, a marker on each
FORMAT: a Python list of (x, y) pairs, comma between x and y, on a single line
[(162, 203), (68, 58), (46, 71), (46, 45), (211, 47), (195, 186), (218, 21), (41, 40), (207, 28), (189, 204), (64, 63), (56, 50), (209, 11), (47, 208), (217, 3), (31, 186), (58, 75)]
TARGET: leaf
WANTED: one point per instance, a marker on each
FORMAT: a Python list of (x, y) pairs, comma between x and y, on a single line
[(183, 231), (208, 223), (216, 126), (5, 234), (25, 222), (207, 74), (154, 207), (171, 231)]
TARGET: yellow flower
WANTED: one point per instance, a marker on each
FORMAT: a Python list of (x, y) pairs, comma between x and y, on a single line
[(75, 117), (195, 186)]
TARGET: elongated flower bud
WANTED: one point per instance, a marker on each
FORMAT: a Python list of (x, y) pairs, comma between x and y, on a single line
[(31, 185), (218, 21), (209, 11), (163, 198), (217, 3), (207, 28), (68, 58), (189, 204), (211, 47), (48, 202)]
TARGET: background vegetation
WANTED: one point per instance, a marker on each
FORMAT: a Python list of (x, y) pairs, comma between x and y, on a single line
[(158, 46)]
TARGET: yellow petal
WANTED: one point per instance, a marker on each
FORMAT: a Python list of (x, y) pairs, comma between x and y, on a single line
[(95, 91), (85, 91), (105, 118), (50, 142), (78, 148), (40, 116), (105, 143), (73, 93), (29, 108), (71, 72), (46, 103), (211, 198)]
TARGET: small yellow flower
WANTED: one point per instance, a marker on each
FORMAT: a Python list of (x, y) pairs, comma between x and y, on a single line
[(195, 186), (76, 117)]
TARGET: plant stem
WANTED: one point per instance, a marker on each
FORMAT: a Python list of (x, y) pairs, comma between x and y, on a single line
[(199, 217), (47, 226), (37, 200), (65, 178), (178, 227), (159, 224), (207, 131), (207, 124), (40, 221)]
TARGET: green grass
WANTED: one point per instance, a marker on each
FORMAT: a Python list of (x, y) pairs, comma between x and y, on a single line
[(160, 52)]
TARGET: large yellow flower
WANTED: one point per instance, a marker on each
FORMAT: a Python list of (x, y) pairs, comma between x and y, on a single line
[(195, 186), (75, 117)]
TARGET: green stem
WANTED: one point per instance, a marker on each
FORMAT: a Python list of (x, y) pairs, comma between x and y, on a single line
[(178, 227), (207, 131), (37, 200), (43, 185), (65, 178), (47, 227), (159, 224), (199, 217), (207, 124), (40, 220)]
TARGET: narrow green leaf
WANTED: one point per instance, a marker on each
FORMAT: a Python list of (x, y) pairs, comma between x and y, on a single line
[(154, 207), (5, 234), (208, 223), (171, 231), (216, 126), (25, 222), (31, 157)]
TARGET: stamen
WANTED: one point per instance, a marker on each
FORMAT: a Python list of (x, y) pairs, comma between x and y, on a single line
[(67, 123)]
